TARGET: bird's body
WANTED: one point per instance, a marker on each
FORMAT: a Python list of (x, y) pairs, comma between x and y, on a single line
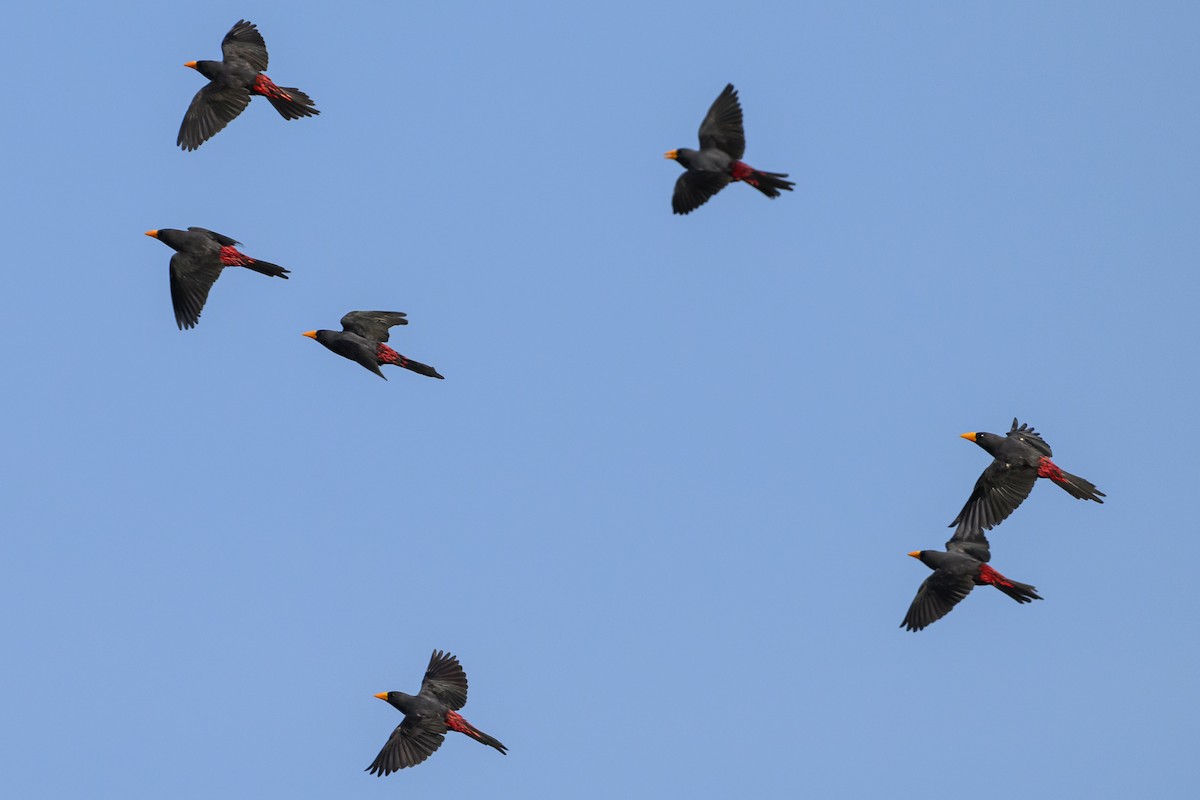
[(1020, 457), (200, 255), (955, 573), (363, 338), (427, 716), (718, 161), (232, 82)]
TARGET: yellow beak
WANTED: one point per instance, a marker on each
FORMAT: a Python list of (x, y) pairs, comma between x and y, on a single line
[(152, 233), (915, 554), (313, 335), (970, 436), (382, 695), (190, 64), (673, 154)]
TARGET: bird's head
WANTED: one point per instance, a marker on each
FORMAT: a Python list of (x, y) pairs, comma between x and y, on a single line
[(208, 69), (393, 698), (683, 156), (930, 558), (315, 335), (168, 236), (987, 441)]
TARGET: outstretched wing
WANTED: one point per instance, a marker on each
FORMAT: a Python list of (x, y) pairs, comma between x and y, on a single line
[(219, 238), (1030, 437), (939, 593), (445, 680), (998, 492), (190, 282), (722, 126), (414, 740), (693, 189), (373, 324), (970, 542), (245, 42), (211, 110)]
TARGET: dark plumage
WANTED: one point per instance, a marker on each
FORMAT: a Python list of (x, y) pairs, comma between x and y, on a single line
[(200, 256), (955, 573), (427, 717), (231, 83), (717, 162), (1020, 457), (362, 339)]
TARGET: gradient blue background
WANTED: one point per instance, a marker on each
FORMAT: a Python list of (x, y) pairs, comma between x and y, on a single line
[(659, 506)]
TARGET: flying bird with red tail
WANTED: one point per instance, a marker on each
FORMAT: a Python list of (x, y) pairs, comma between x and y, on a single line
[(200, 256), (232, 81), (718, 161), (362, 339), (1020, 457), (955, 573), (427, 716)]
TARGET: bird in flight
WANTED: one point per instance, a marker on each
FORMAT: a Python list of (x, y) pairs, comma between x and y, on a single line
[(955, 573), (362, 339), (427, 716), (1020, 457), (231, 83), (200, 256), (718, 161)]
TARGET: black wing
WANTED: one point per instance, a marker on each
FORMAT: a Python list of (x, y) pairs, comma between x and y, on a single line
[(998, 492), (373, 324), (414, 740), (693, 189), (211, 110), (445, 680), (970, 542), (219, 238), (939, 593), (722, 126), (190, 283), (1030, 437), (245, 42)]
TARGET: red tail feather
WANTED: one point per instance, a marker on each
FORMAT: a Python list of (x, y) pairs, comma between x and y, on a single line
[(230, 257), (387, 355), (455, 722), (267, 88), (1048, 469), (989, 575), (743, 172)]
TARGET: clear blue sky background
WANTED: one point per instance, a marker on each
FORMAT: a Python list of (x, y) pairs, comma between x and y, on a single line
[(660, 505)]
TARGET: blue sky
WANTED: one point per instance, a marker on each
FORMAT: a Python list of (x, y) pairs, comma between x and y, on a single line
[(660, 505)]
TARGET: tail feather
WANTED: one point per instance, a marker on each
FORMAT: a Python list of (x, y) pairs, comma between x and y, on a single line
[(1079, 488), (292, 103), (490, 741), (387, 355), (1021, 592), (455, 722), (769, 183), (266, 268), (422, 369)]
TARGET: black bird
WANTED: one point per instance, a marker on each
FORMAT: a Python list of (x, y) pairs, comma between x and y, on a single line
[(1021, 457), (955, 573), (717, 162), (362, 339), (231, 83), (427, 717), (200, 256)]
